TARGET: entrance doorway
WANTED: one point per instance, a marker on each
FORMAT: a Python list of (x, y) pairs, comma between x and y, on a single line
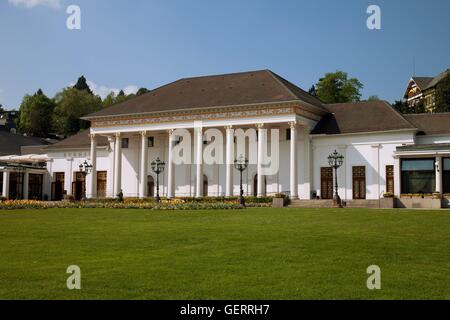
[(359, 183), (58, 187), (101, 184), (78, 186), (16, 185), (255, 186), (35, 186), (326, 183), (205, 185), (150, 187)]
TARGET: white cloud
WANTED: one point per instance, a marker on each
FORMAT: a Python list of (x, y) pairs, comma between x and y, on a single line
[(103, 91), (34, 3)]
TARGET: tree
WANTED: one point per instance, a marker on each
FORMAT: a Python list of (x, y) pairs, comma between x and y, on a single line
[(312, 91), (1, 108), (71, 105), (109, 100), (443, 95), (36, 114), (374, 98), (401, 106), (142, 91), (82, 85), (337, 88)]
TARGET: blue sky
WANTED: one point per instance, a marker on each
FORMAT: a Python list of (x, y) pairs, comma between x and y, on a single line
[(128, 44)]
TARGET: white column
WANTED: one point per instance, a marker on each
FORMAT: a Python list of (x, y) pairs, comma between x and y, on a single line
[(397, 178), (92, 192), (229, 161), (5, 191), (293, 173), (170, 169), (261, 143), (26, 184), (144, 165), (439, 174), (199, 162), (117, 165)]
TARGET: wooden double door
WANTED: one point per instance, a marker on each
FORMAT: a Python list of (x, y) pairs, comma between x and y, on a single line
[(326, 183), (359, 182)]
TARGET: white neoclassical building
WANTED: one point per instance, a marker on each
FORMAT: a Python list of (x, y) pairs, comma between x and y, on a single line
[(384, 151)]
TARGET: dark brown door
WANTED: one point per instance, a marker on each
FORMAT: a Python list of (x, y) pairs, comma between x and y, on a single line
[(78, 186), (390, 179), (101, 184), (150, 187), (58, 186), (35, 186), (326, 183), (359, 182)]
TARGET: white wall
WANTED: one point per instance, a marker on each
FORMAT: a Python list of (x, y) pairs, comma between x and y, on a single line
[(358, 150)]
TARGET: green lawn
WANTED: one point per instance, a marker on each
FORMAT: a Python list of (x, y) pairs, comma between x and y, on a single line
[(244, 254)]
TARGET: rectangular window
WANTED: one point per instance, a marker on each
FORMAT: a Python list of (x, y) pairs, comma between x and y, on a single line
[(151, 142), (390, 179), (288, 134), (1, 183), (125, 142), (418, 176), (446, 176)]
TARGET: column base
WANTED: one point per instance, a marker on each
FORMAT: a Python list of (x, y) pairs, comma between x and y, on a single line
[(337, 202)]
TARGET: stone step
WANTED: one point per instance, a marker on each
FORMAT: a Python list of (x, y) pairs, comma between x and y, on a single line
[(311, 204), (362, 204)]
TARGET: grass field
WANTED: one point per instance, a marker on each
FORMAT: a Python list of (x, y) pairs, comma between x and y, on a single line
[(244, 254)]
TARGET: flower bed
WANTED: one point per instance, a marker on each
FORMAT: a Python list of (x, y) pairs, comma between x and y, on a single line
[(149, 204)]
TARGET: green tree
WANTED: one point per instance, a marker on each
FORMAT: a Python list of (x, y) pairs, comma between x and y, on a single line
[(374, 98), (109, 100), (82, 85), (36, 113), (142, 91), (71, 105), (401, 106), (337, 88), (443, 95), (312, 91)]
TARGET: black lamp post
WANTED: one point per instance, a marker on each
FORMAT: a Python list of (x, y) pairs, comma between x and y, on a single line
[(335, 160), (241, 164), (85, 169), (157, 167)]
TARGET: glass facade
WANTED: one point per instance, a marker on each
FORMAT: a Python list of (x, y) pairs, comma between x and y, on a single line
[(418, 176), (446, 176)]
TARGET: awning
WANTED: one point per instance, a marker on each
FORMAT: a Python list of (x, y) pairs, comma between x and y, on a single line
[(26, 159)]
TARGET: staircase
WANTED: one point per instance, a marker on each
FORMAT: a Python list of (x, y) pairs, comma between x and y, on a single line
[(329, 204), (311, 204)]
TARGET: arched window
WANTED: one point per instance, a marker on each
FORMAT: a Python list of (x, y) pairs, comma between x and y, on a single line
[(205, 185), (150, 187)]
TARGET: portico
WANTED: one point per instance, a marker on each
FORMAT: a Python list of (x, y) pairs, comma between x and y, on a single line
[(221, 176)]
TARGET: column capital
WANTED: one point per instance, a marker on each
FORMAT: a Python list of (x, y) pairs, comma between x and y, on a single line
[(293, 125), (170, 131), (143, 133), (92, 136), (260, 125), (230, 127), (117, 135)]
